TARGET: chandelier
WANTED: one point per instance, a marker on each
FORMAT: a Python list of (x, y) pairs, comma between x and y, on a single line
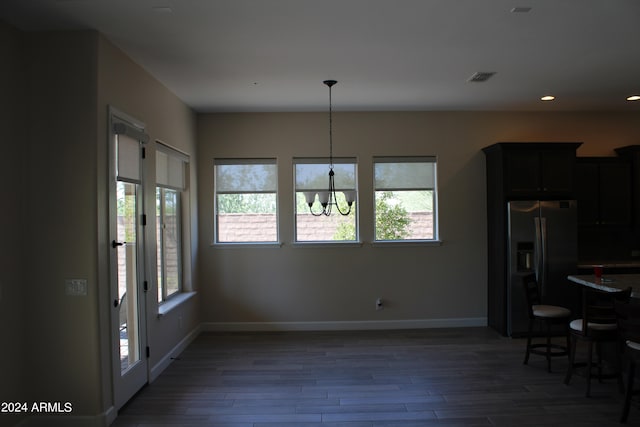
[(328, 198)]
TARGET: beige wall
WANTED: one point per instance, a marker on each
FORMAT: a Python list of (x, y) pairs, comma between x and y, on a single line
[(126, 86), (340, 284), (12, 174), (56, 90), (63, 351)]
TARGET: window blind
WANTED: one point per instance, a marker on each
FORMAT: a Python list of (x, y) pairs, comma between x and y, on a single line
[(409, 173), (128, 159), (246, 175), (171, 168), (313, 174), (128, 156)]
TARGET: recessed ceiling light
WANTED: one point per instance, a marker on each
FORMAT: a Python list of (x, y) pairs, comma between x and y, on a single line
[(633, 98), (548, 98)]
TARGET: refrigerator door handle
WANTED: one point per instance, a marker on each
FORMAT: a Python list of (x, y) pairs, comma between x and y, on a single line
[(543, 261), (537, 247)]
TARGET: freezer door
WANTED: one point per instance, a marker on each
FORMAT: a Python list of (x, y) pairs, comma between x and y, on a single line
[(560, 243), (523, 258)]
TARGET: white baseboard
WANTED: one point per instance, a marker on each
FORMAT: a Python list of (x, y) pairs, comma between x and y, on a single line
[(343, 326), (159, 367)]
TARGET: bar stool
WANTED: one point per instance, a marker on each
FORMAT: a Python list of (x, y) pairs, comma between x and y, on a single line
[(629, 333), (549, 315), (599, 325)]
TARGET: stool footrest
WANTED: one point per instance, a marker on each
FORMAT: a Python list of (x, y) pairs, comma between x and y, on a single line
[(541, 350)]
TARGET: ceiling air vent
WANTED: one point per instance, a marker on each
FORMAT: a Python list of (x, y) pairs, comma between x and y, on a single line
[(481, 76)]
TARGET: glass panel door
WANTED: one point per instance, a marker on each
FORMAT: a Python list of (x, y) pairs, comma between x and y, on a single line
[(127, 277), (128, 267)]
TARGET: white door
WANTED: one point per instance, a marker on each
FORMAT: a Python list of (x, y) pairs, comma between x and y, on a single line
[(128, 269)]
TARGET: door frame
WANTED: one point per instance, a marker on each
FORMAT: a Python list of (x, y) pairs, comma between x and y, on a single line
[(127, 384)]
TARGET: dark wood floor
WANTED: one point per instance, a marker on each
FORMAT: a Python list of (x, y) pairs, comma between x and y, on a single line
[(433, 377)]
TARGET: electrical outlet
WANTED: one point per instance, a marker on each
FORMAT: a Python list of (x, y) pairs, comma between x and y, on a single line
[(75, 287)]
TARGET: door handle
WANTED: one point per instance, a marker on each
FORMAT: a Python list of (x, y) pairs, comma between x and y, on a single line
[(543, 263), (115, 244), (537, 250)]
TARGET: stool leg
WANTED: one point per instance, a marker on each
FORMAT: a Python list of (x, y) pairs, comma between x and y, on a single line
[(548, 345), (618, 361), (599, 354), (526, 355), (572, 359), (629, 391), (589, 366), (568, 337)]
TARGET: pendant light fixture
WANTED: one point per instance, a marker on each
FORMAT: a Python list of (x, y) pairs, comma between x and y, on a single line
[(328, 198)]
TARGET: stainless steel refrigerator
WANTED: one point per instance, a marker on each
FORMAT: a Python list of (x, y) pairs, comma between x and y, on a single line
[(542, 240)]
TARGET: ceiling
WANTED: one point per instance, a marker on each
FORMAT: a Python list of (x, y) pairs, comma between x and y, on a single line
[(272, 55)]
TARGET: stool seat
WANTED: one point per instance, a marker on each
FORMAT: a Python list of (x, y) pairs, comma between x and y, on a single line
[(551, 311), (633, 345), (577, 325), (548, 315)]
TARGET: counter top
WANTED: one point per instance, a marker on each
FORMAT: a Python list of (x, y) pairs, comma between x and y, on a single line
[(610, 264), (610, 282)]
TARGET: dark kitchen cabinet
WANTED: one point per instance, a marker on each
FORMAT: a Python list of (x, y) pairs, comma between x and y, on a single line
[(603, 191), (519, 171), (535, 170), (632, 154), (539, 172)]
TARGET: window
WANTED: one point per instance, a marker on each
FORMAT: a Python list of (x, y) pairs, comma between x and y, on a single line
[(246, 200), (405, 198), (171, 175), (312, 176)]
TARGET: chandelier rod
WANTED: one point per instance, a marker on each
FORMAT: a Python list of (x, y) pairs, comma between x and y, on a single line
[(330, 83)]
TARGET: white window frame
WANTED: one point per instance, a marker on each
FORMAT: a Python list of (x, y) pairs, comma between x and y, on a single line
[(163, 293), (340, 186), (418, 182), (269, 187), (172, 172)]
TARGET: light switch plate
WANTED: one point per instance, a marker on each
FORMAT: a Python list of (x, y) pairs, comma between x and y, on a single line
[(75, 287)]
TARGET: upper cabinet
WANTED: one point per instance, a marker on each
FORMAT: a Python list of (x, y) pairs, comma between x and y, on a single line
[(632, 154), (603, 191), (533, 170)]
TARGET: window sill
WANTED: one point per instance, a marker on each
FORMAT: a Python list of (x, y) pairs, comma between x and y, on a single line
[(174, 302), (246, 245), (405, 243), (326, 244)]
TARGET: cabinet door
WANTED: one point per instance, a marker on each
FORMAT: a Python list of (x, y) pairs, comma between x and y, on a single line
[(587, 186), (522, 172), (615, 193), (557, 171), (540, 173)]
